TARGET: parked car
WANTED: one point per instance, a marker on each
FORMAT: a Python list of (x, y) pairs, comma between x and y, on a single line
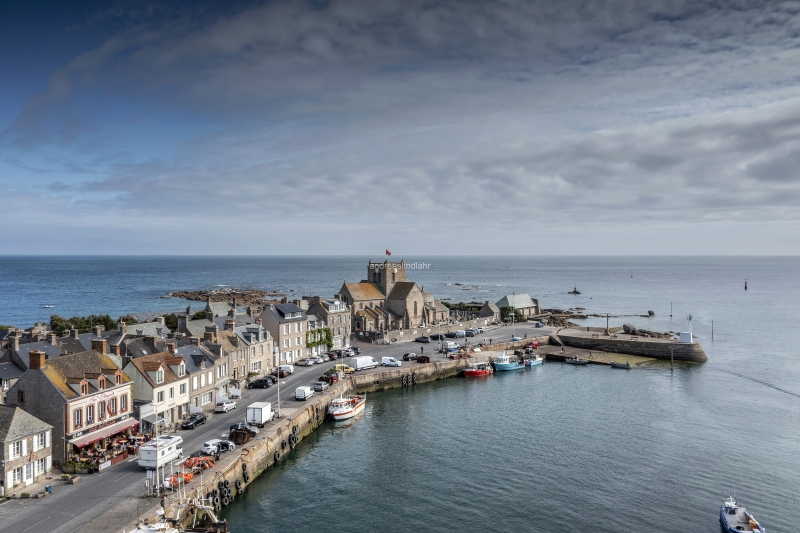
[(347, 369), (409, 356), (193, 421), (321, 359), (273, 379), (289, 369), (260, 383), (355, 349), (424, 339), (515, 339), (390, 361), (478, 329), (303, 393), (423, 359), (279, 372), (307, 362), (320, 386), (244, 425), (335, 354), (469, 333), (437, 337), (451, 335), (348, 352), (225, 406), (216, 446), (538, 325)]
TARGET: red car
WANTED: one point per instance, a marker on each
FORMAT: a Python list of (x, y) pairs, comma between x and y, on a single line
[(278, 372)]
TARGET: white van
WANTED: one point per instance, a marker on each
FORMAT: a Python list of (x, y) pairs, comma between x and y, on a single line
[(289, 369), (363, 362), (160, 452), (303, 393), (460, 333), (390, 361), (449, 346)]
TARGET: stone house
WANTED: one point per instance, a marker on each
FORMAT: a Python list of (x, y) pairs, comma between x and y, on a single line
[(85, 397), (161, 381), (200, 367), (287, 323), (255, 350), (490, 310), (26, 445), (335, 315), (522, 303), (9, 374)]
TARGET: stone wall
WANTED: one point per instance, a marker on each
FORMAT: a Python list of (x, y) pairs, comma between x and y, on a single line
[(658, 349)]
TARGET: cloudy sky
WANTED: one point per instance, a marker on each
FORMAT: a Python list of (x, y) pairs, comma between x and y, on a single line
[(348, 127)]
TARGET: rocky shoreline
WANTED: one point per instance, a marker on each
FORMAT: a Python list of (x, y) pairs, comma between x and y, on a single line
[(225, 294)]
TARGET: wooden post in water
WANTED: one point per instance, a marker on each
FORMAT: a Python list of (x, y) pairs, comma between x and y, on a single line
[(670, 309), (712, 330), (671, 358)]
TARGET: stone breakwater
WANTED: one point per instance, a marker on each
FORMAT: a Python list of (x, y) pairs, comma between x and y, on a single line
[(632, 345), (242, 296)]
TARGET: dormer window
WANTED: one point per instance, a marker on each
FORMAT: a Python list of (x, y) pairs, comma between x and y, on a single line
[(160, 375), (182, 370), (84, 389), (118, 379), (101, 383)]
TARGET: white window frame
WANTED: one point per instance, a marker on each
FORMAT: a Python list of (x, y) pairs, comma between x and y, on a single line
[(15, 449), (183, 389), (160, 397), (160, 376), (194, 383), (205, 398)]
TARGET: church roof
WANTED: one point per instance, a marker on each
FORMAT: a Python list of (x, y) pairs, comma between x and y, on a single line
[(401, 290), (364, 291)]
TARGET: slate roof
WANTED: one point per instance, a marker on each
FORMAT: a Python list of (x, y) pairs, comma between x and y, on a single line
[(16, 424), (10, 371), (282, 310), (240, 319), (441, 307), (44, 346), (364, 290), (197, 328), (219, 308), (518, 301), (64, 370), (253, 334), (148, 329), (401, 290), (139, 347), (194, 355)]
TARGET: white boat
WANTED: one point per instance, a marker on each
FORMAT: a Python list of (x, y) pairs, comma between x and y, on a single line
[(535, 361), (343, 408), (160, 525), (48, 306)]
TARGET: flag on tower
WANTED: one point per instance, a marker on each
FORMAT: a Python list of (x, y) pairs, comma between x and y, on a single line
[(388, 253)]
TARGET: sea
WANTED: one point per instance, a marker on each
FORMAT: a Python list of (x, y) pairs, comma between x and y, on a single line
[(553, 449)]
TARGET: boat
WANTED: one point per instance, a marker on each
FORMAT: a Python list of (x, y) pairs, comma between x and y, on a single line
[(48, 306), (504, 362), (626, 366), (736, 519), (576, 361), (478, 369), (343, 408), (536, 361)]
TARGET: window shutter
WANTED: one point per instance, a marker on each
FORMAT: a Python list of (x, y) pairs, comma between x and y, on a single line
[(24, 448), (48, 463), (10, 480), (47, 439)]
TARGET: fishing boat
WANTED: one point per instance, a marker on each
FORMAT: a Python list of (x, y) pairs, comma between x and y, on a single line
[(343, 408), (48, 306), (736, 519), (576, 361), (478, 369), (536, 361), (626, 366), (504, 362)]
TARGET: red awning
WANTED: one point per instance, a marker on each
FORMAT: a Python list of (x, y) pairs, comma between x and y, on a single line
[(107, 431)]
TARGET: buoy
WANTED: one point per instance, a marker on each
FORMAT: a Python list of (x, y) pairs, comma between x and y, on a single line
[(745, 284)]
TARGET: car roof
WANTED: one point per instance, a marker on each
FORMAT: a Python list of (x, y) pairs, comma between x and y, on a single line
[(212, 441)]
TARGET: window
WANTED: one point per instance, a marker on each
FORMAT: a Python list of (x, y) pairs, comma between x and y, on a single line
[(17, 475), (298, 327), (84, 389), (160, 375), (40, 466), (29, 471), (286, 329), (298, 341), (118, 379), (194, 383), (77, 418), (210, 377), (286, 343), (90, 414), (112, 406), (160, 397), (205, 398), (257, 366), (101, 410), (16, 449), (181, 370), (202, 380), (123, 403), (101, 383), (261, 350), (183, 389), (39, 440), (236, 355), (5, 384), (171, 393)]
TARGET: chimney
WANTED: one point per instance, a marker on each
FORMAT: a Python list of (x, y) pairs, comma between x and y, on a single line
[(232, 312), (189, 310), (52, 338), (258, 320), (210, 315), (196, 341), (36, 360), (151, 342), (98, 330), (121, 326), (116, 349), (15, 341), (208, 336), (230, 324), (73, 333), (99, 345), (171, 347), (161, 320), (234, 303), (317, 300)]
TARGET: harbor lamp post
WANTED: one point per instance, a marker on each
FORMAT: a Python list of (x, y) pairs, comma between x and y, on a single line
[(689, 320), (277, 351)]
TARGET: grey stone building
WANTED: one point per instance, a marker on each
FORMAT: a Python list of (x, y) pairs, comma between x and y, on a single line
[(26, 445), (522, 303), (335, 315), (287, 323)]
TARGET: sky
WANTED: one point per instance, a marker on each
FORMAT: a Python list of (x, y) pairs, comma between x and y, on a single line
[(421, 127)]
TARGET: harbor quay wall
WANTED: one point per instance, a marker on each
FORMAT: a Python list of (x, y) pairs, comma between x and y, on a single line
[(658, 349), (408, 335), (393, 378)]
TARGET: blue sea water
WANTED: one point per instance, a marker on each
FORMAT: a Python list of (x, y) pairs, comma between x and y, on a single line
[(553, 449)]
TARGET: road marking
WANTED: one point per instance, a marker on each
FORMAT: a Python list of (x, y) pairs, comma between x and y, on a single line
[(122, 477)]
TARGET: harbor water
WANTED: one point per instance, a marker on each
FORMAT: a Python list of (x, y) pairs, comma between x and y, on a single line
[(554, 448)]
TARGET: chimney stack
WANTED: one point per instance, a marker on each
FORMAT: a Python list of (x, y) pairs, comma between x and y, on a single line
[(171, 347), (52, 338), (36, 360), (121, 326), (151, 342), (15, 341), (196, 341), (230, 324), (98, 330), (234, 303), (208, 336), (73, 333), (99, 345), (258, 320), (116, 349), (161, 320)]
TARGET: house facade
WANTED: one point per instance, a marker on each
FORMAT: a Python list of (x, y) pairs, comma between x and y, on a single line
[(84, 397), (161, 380), (26, 444), (334, 314), (287, 323), (522, 304)]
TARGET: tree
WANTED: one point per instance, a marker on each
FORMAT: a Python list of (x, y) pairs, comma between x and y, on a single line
[(83, 324), (200, 315), (171, 322), (128, 319)]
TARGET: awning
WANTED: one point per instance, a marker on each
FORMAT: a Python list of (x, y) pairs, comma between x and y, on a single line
[(107, 431)]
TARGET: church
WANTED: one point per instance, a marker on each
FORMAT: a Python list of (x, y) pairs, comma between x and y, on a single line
[(387, 300)]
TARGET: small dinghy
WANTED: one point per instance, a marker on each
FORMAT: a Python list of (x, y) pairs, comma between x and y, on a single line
[(576, 361), (624, 366)]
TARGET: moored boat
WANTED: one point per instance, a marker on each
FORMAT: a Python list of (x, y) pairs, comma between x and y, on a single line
[(736, 519), (535, 361), (478, 369), (576, 361), (343, 408), (504, 362), (626, 366)]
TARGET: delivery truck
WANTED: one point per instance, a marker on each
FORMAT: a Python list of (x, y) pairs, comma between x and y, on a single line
[(260, 413), (363, 362)]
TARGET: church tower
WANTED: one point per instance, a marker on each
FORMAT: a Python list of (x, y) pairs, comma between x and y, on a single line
[(385, 275)]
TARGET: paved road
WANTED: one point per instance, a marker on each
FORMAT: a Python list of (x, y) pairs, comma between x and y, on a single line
[(72, 507)]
